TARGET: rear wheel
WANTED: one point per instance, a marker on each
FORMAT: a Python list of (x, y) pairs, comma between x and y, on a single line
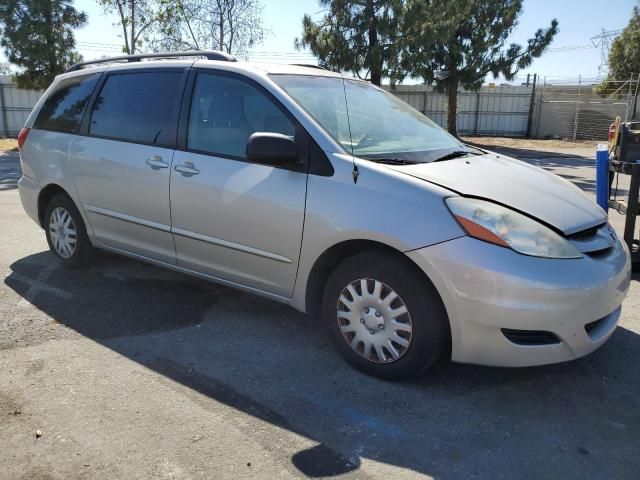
[(66, 233), (384, 317)]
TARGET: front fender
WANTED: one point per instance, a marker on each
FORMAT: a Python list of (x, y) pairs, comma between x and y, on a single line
[(384, 206)]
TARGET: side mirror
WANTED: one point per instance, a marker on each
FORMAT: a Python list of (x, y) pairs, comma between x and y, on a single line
[(271, 149)]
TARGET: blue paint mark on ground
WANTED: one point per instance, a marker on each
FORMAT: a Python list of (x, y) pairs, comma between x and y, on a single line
[(355, 417)]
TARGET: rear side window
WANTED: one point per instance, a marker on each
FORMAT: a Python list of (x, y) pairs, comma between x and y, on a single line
[(62, 111), (138, 107), (225, 111)]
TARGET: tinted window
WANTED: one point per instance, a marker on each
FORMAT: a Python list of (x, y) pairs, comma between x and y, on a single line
[(226, 111), (63, 109), (138, 107)]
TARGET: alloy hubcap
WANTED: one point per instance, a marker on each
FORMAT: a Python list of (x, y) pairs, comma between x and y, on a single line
[(374, 320), (63, 233)]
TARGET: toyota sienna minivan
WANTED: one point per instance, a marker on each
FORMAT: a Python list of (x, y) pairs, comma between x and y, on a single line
[(328, 194)]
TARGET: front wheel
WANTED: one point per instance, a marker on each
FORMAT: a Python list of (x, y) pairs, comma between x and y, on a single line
[(385, 318)]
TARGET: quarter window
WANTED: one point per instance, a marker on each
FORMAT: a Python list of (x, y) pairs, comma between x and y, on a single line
[(62, 111), (138, 107), (225, 111)]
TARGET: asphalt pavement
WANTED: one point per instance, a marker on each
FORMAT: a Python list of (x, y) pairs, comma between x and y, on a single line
[(125, 370)]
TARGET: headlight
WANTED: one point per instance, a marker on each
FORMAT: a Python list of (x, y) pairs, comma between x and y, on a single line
[(496, 224)]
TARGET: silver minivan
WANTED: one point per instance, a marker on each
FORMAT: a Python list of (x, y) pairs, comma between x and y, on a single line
[(330, 195)]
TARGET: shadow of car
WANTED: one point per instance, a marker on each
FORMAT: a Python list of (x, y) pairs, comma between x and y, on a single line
[(273, 363)]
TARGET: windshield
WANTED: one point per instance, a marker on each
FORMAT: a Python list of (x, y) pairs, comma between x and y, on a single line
[(382, 126)]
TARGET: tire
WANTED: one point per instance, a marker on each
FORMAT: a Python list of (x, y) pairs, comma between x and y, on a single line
[(423, 330), (61, 215)]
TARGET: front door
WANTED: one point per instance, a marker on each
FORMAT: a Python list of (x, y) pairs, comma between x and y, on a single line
[(232, 219), (122, 167)]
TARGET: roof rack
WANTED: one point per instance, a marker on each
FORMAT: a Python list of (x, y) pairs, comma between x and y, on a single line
[(309, 65), (208, 54)]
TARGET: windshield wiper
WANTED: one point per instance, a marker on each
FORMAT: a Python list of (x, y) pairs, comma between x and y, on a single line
[(400, 161), (392, 161), (455, 154)]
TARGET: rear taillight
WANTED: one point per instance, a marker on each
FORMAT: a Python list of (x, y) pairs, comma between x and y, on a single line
[(22, 137)]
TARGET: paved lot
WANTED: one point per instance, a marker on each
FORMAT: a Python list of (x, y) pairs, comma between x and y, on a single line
[(129, 371)]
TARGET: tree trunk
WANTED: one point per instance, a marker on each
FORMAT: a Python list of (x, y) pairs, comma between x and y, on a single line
[(221, 31), (51, 48), (376, 75), (133, 27), (375, 58), (125, 35), (230, 29), (452, 108)]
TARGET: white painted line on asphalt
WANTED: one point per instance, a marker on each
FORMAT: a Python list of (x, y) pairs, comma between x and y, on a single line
[(38, 285)]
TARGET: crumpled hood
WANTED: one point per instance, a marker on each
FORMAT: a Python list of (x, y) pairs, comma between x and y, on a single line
[(515, 184)]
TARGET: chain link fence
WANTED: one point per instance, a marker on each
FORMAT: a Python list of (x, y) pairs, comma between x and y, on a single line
[(583, 108), (568, 108)]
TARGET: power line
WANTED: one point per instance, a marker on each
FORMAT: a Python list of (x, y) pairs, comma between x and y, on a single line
[(101, 44), (570, 48)]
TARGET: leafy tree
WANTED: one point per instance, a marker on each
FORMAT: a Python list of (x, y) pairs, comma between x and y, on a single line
[(233, 26), (360, 36), (624, 57), (37, 37), (473, 44), (5, 68)]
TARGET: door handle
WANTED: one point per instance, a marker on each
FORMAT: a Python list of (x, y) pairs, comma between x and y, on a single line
[(156, 162), (187, 169)]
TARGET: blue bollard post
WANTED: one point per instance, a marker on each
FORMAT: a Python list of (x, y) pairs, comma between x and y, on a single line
[(602, 176)]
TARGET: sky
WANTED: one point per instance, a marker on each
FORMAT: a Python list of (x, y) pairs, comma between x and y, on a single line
[(572, 52)]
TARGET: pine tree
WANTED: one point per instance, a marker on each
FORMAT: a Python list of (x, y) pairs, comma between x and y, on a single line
[(37, 37), (359, 36), (472, 44)]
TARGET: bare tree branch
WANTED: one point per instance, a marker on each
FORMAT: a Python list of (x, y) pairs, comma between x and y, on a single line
[(233, 26)]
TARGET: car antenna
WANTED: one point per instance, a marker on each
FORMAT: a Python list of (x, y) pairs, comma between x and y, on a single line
[(355, 172)]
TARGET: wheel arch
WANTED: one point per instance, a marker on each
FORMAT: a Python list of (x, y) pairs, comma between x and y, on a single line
[(45, 196), (337, 253)]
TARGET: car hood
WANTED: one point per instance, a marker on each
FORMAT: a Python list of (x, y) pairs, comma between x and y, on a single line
[(515, 184)]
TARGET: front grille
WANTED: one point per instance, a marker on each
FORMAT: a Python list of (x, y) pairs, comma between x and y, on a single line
[(584, 235), (530, 337), (599, 253), (595, 241)]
